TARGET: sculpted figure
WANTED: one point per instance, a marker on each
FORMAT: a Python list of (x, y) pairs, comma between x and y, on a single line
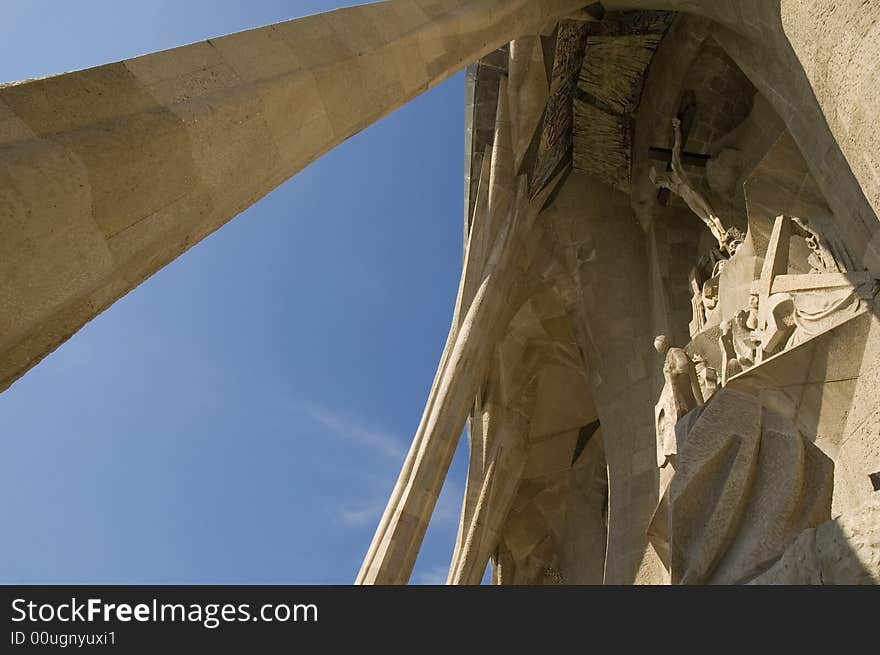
[(678, 183), (745, 485), (821, 258), (710, 293), (707, 376), (681, 394), (738, 343)]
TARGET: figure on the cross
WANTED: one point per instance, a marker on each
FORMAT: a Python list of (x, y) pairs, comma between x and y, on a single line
[(678, 183)]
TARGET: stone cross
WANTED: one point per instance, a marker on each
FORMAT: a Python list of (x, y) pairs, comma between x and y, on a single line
[(687, 115)]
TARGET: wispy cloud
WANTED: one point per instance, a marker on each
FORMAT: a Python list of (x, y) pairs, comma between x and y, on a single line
[(367, 509), (434, 576), (348, 428), (359, 515)]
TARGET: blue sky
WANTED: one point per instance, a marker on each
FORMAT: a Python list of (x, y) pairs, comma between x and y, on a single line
[(241, 417)]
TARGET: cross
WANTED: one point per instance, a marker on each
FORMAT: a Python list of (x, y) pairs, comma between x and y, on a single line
[(686, 114)]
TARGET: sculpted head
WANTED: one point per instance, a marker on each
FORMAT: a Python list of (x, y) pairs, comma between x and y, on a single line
[(661, 344)]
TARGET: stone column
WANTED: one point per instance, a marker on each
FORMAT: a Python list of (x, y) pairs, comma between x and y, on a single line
[(616, 311), (483, 519), (108, 174)]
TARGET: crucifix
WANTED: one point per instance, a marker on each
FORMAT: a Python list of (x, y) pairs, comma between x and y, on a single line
[(686, 115), (676, 180)]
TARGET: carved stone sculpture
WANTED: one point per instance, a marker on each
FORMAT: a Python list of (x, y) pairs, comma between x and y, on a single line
[(707, 376), (678, 182), (681, 394), (792, 308), (746, 484), (698, 311), (783, 309), (822, 259)]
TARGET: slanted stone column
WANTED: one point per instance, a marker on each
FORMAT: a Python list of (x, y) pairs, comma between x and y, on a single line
[(478, 325), (483, 519), (108, 174)]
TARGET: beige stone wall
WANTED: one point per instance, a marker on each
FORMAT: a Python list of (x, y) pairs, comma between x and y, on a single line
[(837, 42), (858, 454)]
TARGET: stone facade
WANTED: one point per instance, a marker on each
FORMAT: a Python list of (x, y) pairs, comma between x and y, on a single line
[(701, 177)]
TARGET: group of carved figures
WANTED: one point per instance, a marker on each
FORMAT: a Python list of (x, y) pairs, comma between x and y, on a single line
[(739, 485), (745, 498), (782, 310)]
